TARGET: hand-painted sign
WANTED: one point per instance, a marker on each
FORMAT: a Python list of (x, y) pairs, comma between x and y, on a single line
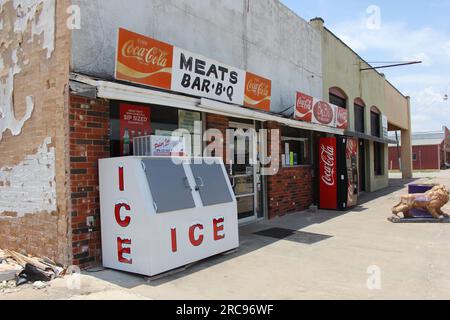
[(310, 109), (166, 146), (199, 76), (150, 62)]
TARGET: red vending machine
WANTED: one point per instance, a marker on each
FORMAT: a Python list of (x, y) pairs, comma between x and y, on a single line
[(338, 173)]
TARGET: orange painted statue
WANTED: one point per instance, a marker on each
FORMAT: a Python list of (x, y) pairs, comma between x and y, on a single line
[(432, 201)]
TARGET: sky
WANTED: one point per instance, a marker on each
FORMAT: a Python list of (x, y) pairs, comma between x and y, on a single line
[(397, 31)]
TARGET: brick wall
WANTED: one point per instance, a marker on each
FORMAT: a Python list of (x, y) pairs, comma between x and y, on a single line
[(214, 121), (291, 189), (36, 218), (89, 142)]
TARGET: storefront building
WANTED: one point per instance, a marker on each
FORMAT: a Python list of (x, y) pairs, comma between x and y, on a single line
[(374, 106), (90, 101), (431, 151)]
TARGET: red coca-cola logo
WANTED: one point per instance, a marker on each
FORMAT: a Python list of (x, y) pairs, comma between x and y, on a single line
[(342, 118), (323, 112), (304, 103), (327, 156)]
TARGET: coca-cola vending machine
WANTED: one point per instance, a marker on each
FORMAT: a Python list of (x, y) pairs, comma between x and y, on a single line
[(338, 173)]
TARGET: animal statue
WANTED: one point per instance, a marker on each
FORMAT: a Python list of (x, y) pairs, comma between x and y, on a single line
[(432, 201)]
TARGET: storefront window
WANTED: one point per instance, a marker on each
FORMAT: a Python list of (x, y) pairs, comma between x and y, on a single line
[(132, 120), (375, 122), (359, 116), (378, 158), (296, 147)]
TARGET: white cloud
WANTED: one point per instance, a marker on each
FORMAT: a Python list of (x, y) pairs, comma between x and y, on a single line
[(398, 39), (427, 83), (422, 79), (429, 110)]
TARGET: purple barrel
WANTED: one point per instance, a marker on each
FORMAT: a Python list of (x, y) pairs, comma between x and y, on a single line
[(419, 188)]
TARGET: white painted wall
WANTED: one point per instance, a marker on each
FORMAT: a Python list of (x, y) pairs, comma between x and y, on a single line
[(30, 186), (261, 36)]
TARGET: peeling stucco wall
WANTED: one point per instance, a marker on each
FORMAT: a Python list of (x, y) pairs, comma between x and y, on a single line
[(29, 187), (41, 15), (35, 56)]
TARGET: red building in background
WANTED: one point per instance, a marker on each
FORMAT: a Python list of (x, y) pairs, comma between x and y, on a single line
[(431, 151)]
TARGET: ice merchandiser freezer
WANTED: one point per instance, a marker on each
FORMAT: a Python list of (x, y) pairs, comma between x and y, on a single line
[(159, 214), (338, 173)]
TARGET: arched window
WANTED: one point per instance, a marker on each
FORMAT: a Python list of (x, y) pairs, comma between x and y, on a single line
[(378, 148), (375, 122), (360, 118), (338, 97)]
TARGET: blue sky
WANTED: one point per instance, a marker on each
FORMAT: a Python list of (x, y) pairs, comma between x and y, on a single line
[(407, 30)]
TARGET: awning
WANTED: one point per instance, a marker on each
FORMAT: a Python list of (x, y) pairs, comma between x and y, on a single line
[(364, 136), (117, 91)]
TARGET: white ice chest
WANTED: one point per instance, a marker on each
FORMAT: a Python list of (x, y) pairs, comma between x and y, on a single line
[(159, 214)]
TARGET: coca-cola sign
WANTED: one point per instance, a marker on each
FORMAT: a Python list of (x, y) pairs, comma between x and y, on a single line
[(304, 106), (150, 62), (342, 118), (151, 56), (144, 60), (324, 113), (310, 109), (328, 160)]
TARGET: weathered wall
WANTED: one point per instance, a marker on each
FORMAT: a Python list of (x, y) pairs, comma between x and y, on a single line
[(34, 72), (88, 142), (261, 36)]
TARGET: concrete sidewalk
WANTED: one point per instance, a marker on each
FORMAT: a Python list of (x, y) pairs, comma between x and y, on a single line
[(329, 259)]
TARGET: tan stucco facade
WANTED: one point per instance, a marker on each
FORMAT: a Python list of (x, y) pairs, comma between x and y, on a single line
[(342, 69)]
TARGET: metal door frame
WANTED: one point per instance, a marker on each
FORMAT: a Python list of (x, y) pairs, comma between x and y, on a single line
[(247, 126)]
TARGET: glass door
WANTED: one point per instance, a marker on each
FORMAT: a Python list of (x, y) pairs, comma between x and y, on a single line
[(243, 170)]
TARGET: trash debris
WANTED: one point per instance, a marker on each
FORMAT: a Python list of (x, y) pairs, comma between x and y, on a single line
[(7, 285), (26, 269), (39, 285)]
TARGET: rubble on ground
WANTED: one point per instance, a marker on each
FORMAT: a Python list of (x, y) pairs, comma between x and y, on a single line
[(17, 269)]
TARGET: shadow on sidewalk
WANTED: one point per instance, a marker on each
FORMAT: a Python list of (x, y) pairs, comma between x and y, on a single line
[(251, 239)]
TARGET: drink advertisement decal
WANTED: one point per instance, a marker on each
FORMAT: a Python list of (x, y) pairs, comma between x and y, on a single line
[(150, 62), (328, 173), (258, 92), (167, 146), (143, 60), (352, 171), (134, 122), (313, 110)]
